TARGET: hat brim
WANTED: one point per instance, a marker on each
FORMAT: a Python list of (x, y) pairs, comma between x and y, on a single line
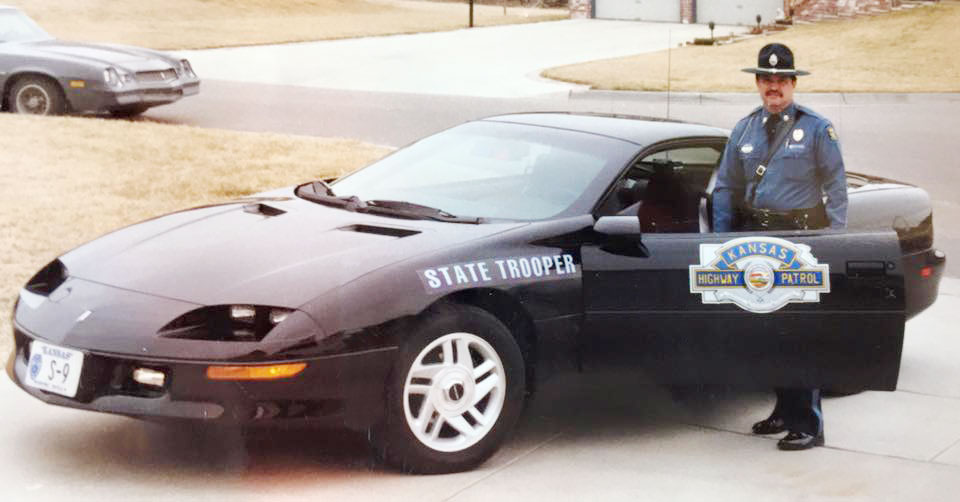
[(775, 71)]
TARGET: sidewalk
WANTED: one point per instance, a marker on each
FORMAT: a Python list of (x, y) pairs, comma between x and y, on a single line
[(501, 61)]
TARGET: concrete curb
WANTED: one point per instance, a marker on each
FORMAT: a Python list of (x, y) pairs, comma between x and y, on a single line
[(751, 97)]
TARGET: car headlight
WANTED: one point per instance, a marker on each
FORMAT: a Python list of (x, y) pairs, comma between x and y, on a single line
[(111, 77), (48, 278), (185, 69), (116, 78), (226, 323)]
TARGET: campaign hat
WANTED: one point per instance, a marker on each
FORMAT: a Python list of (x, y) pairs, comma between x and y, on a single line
[(775, 59)]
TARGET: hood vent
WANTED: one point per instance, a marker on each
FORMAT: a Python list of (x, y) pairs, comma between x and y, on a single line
[(386, 231), (262, 209)]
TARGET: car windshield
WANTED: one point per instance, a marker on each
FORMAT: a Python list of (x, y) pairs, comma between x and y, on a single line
[(494, 170), (15, 26)]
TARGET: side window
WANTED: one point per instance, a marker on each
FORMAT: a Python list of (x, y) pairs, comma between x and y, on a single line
[(664, 189)]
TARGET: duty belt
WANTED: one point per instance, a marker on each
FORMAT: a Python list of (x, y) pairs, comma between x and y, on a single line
[(796, 219)]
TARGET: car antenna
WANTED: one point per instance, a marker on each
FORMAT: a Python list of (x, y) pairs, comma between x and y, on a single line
[(843, 98), (669, 61)]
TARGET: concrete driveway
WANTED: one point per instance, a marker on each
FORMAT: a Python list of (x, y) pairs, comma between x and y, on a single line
[(502, 61), (580, 439)]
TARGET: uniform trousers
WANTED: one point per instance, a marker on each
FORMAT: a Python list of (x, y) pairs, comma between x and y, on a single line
[(798, 408)]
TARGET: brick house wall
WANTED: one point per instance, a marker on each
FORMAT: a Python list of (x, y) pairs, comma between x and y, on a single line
[(807, 10), (812, 10), (581, 9), (688, 11)]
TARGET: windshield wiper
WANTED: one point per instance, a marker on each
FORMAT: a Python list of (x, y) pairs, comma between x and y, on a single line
[(321, 193), (321, 185), (418, 210)]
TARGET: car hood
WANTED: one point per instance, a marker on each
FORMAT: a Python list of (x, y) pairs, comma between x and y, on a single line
[(281, 251), (128, 58)]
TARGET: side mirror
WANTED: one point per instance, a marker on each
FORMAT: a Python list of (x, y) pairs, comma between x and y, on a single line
[(623, 235), (618, 226)]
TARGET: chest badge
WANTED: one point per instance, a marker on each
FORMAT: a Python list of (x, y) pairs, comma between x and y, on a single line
[(759, 274), (746, 148), (797, 134)]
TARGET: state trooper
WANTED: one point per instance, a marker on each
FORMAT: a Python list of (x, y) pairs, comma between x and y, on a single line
[(782, 170)]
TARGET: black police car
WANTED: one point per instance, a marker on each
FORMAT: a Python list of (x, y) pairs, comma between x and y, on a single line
[(418, 297)]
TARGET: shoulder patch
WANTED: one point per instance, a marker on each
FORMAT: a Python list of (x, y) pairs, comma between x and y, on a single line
[(832, 133)]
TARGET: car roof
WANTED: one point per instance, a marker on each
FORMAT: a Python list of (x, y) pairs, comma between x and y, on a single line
[(635, 129)]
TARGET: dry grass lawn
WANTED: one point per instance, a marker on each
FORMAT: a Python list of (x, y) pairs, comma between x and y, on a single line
[(191, 24), (908, 51), (64, 181)]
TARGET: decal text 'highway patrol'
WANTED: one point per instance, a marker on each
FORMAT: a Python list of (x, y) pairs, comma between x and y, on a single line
[(497, 271), (759, 274)]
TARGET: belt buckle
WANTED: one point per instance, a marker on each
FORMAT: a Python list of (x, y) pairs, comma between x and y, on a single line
[(761, 169)]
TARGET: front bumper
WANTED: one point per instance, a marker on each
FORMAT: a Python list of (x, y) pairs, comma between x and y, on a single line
[(341, 390), (105, 99)]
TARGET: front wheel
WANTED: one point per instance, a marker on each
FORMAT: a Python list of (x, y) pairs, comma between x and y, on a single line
[(455, 392), (37, 96)]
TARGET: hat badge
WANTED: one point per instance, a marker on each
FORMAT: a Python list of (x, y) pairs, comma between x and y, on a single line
[(773, 60)]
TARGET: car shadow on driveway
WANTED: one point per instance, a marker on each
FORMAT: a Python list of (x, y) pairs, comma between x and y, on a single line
[(572, 408)]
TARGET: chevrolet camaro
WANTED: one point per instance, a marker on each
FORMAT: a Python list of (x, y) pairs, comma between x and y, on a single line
[(41, 75), (421, 297)]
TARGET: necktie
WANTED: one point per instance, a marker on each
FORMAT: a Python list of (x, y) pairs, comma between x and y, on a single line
[(771, 126)]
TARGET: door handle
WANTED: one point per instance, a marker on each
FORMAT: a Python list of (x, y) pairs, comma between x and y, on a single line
[(626, 246), (856, 269)]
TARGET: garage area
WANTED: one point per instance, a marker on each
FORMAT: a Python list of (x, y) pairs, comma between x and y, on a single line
[(731, 12)]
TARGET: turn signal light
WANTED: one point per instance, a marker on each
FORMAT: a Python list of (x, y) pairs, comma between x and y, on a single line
[(271, 372)]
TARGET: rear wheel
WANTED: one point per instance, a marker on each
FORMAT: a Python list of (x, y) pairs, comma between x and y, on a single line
[(455, 392), (37, 96)]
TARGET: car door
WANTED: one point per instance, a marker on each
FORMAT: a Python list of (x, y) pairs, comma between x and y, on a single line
[(791, 308)]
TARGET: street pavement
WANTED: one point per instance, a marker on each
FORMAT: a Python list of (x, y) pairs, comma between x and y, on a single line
[(581, 438), (395, 89), (900, 136)]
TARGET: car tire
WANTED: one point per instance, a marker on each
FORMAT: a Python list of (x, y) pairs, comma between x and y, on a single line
[(455, 392), (128, 112), (37, 96)]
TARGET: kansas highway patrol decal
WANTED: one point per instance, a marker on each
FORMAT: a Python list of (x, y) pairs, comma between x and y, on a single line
[(759, 274)]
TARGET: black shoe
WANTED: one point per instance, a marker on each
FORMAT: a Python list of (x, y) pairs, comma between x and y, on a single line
[(772, 425), (800, 441)]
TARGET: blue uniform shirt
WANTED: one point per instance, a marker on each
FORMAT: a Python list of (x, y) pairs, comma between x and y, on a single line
[(808, 167)]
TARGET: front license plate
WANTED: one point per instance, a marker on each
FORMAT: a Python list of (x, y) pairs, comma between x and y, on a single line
[(54, 369)]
